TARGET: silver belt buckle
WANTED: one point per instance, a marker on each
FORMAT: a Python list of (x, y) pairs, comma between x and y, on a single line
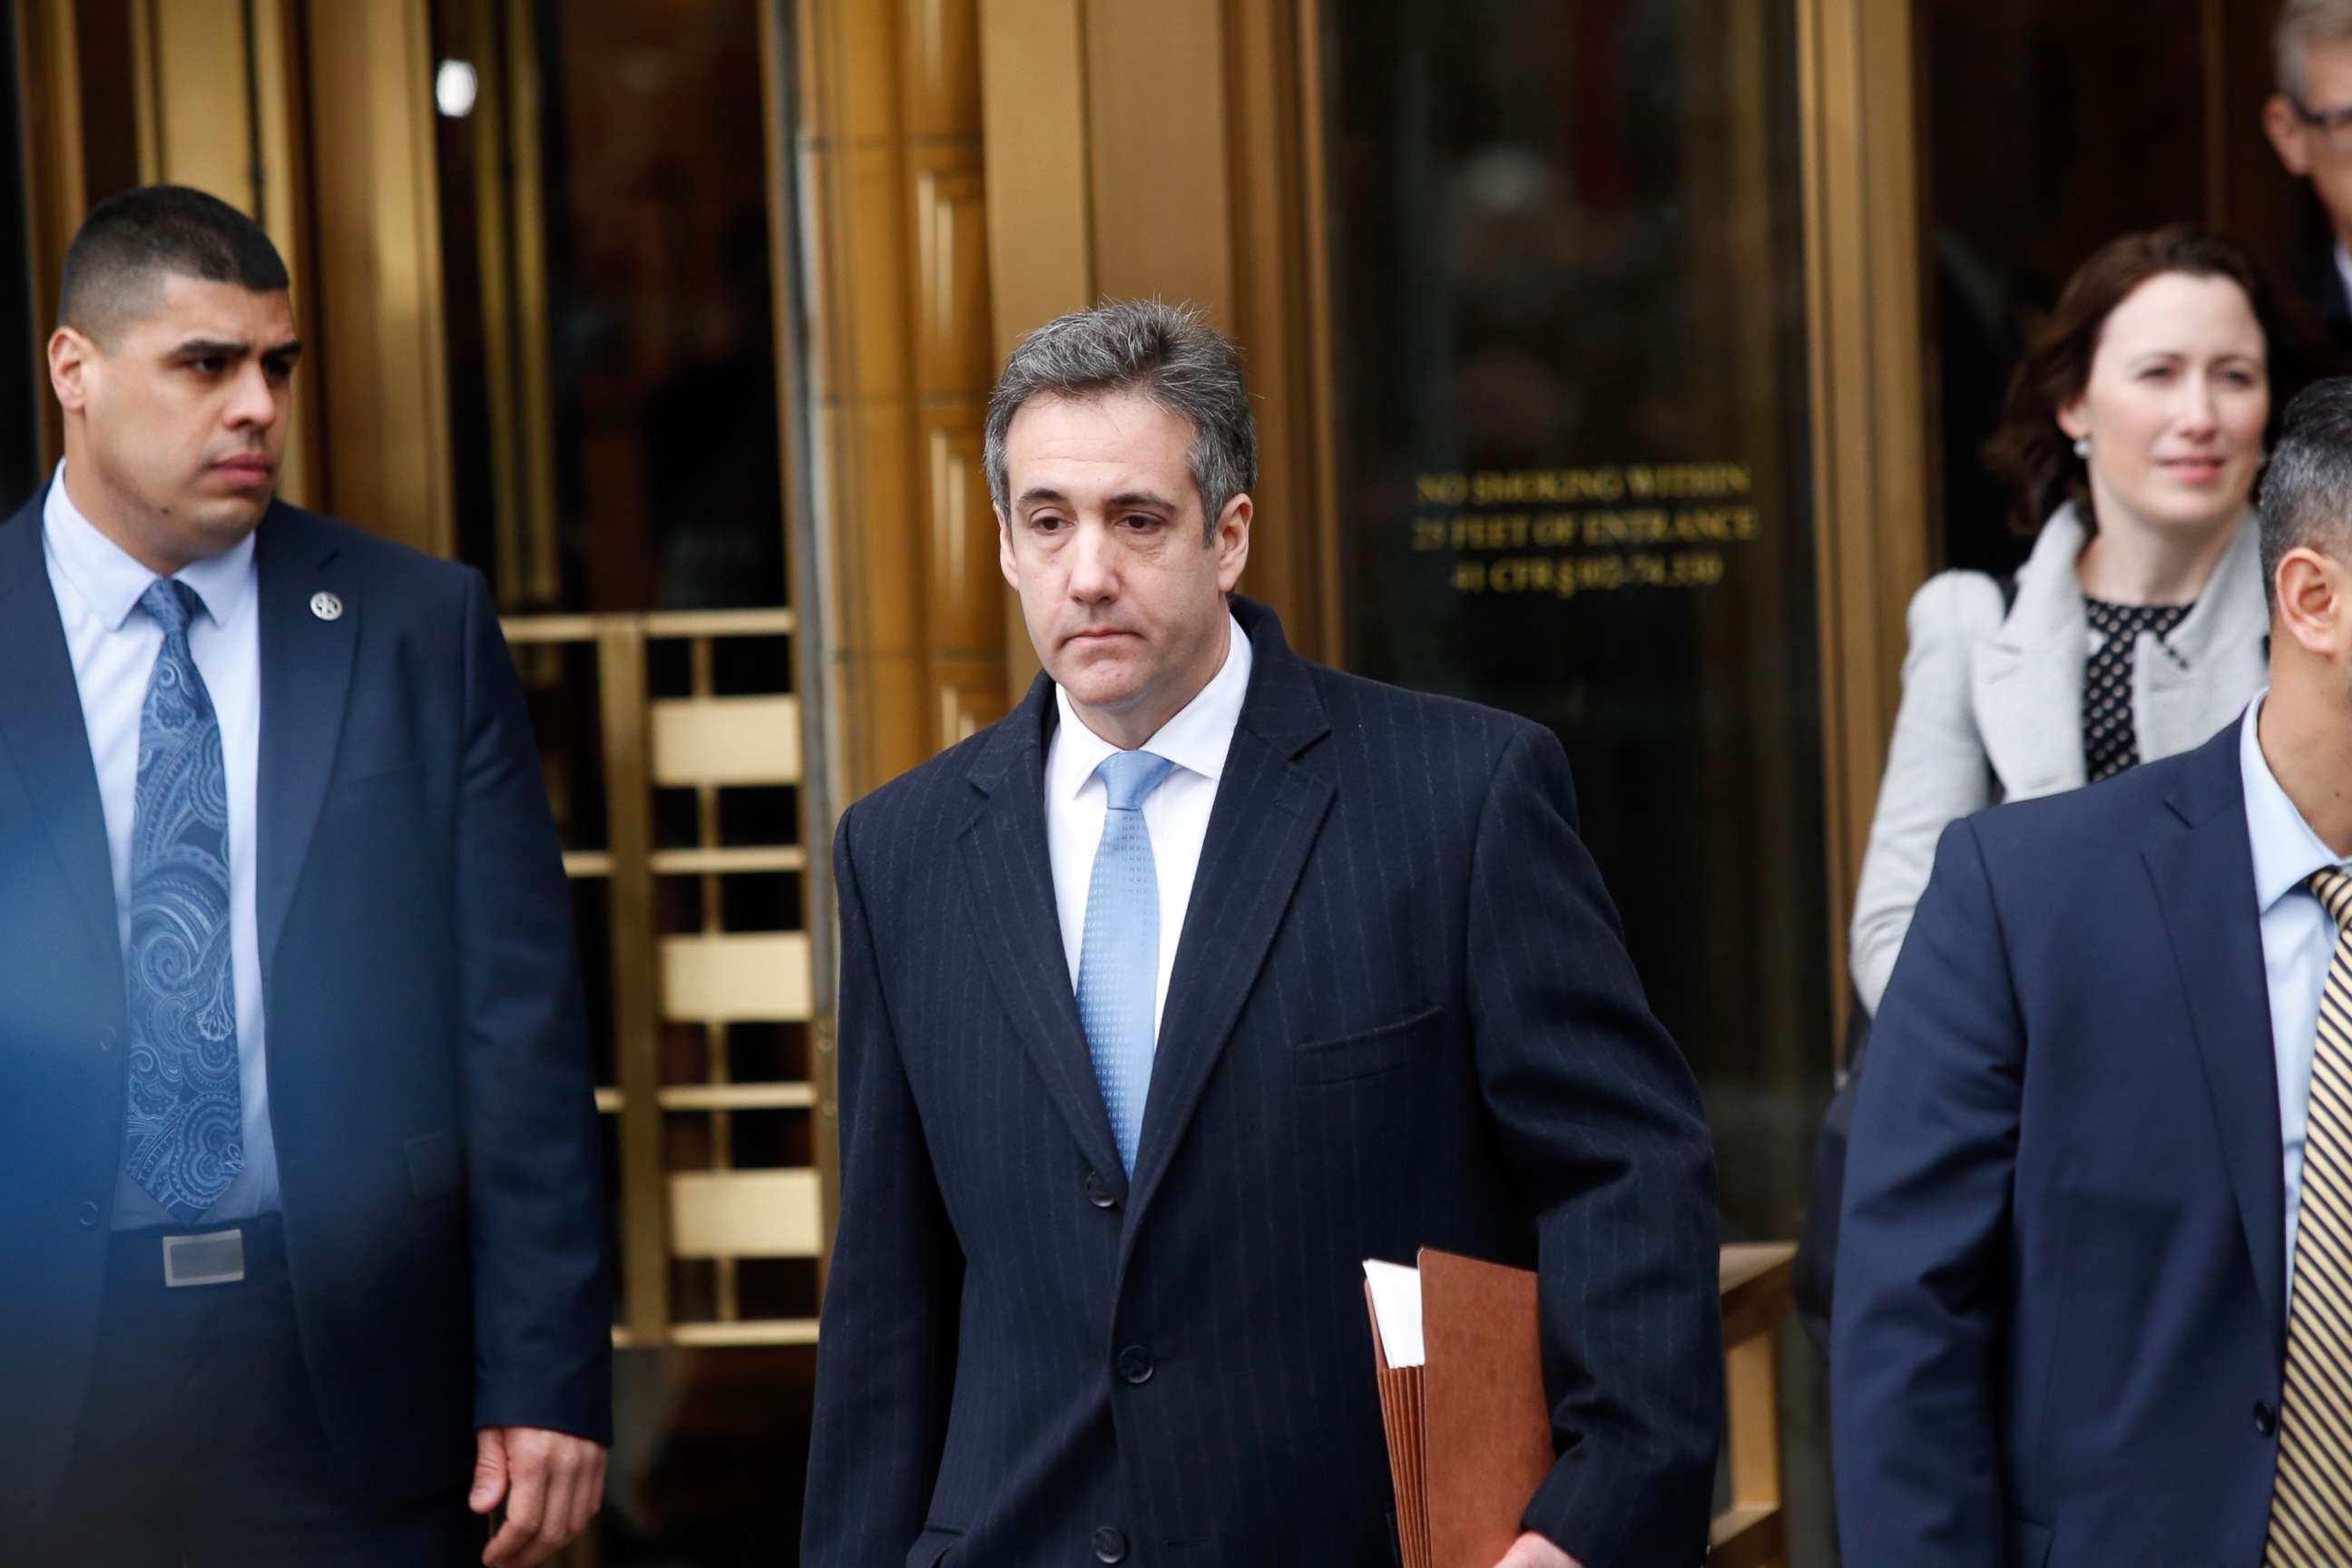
[(215, 1258)]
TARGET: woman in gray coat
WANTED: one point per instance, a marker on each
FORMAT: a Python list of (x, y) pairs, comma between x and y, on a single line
[(2132, 435)]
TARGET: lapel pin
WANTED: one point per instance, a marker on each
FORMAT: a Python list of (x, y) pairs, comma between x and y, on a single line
[(326, 607)]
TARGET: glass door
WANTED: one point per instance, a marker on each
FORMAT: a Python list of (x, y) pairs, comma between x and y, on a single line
[(607, 179), (1569, 326), (1573, 478)]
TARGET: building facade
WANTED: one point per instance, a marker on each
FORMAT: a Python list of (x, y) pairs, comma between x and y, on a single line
[(1619, 362)]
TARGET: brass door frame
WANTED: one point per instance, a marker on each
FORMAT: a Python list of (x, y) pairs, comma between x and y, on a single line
[(1092, 194), (1866, 386), (48, 59)]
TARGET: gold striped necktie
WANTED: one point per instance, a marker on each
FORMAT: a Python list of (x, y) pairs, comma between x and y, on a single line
[(2311, 1502)]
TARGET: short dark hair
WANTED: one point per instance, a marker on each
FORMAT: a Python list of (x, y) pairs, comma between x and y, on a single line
[(115, 266), (2028, 451), (1169, 355), (2307, 498)]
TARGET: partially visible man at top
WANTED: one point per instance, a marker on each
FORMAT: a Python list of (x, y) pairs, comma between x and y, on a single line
[(1165, 1002), (298, 1187), (2309, 122)]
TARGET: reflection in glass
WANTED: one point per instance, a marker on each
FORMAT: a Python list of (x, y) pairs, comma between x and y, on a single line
[(1568, 333), (604, 206), (612, 350), (2011, 221)]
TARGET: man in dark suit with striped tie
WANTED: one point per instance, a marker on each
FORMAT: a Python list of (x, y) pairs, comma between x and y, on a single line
[(2094, 1272), (1202, 977)]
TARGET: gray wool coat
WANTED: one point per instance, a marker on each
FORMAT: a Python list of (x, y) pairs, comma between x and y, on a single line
[(1993, 707)]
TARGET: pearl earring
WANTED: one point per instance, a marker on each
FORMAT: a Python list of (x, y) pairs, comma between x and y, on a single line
[(2081, 446)]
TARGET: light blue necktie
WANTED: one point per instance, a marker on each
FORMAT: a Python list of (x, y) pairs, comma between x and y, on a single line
[(1118, 957), (183, 1136)]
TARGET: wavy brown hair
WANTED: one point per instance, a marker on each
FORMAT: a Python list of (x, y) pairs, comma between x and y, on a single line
[(2028, 451)]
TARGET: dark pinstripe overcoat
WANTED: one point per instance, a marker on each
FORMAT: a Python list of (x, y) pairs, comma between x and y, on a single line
[(1401, 1016)]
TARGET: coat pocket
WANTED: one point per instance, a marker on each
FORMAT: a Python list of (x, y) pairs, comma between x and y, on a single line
[(2029, 1544), (933, 1547), (1381, 1051), (436, 1166), (373, 790)]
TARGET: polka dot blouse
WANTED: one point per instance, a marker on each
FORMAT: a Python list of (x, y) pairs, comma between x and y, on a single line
[(2110, 740)]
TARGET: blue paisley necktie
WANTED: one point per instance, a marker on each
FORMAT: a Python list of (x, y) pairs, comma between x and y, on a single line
[(1118, 953), (183, 1136)]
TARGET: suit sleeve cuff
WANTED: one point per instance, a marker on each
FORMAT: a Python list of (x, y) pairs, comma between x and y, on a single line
[(1607, 1516), (580, 1405)]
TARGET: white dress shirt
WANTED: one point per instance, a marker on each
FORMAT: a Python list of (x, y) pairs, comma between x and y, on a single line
[(2298, 944), (1176, 814), (113, 644)]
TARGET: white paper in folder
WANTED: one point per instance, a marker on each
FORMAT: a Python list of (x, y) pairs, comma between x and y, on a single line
[(1396, 1303)]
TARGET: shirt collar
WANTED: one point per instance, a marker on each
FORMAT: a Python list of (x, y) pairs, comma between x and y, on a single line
[(112, 582), (2286, 851), (1195, 739)]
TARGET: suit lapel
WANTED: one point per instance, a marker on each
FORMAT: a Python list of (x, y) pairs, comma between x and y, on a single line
[(2028, 703), (1011, 884), (2204, 881), (2026, 680), (41, 724), (1270, 806), (306, 674)]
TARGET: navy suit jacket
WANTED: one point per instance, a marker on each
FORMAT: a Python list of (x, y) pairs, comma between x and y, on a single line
[(430, 1087), (1401, 1016), (2060, 1319)]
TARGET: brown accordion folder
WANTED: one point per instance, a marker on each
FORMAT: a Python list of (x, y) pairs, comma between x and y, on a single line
[(1469, 1430)]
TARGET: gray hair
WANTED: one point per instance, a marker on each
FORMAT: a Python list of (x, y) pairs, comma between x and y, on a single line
[(1168, 353), (2306, 496), (2302, 25)]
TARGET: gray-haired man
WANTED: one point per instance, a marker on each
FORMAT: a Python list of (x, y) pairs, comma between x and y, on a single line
[(2309, 122), (1205, 976)]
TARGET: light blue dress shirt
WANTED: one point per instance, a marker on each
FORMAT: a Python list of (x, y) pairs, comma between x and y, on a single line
[(2298, 944), (113, 644), (1176, 814)]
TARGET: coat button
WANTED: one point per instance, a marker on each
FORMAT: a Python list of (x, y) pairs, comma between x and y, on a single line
[(1135, 1364), (2265, 1418), (1098, 1191), (106, 1038), (1111, 1546), (86, 1214)]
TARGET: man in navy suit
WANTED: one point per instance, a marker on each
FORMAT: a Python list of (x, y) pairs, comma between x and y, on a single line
[(1167, 1001), (2093, 1264), (299, 1186)]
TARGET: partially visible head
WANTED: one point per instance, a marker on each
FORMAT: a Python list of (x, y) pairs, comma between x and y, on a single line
[(2309, 117), (2157, 358), (1120, 449), (2306, 538), (173, 360)]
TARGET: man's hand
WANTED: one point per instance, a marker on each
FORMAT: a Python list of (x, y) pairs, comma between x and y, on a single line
[(551, 1483), (1532, 1550)]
